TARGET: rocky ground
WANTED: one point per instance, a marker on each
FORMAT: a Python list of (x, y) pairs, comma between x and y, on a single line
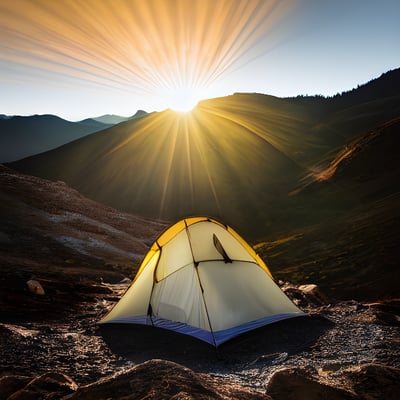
[(347, 350), (63, 260)]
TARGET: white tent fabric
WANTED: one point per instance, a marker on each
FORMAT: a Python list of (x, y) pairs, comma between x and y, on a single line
[(202, 279)]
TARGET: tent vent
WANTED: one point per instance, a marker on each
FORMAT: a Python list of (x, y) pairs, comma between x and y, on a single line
[(220, 249)]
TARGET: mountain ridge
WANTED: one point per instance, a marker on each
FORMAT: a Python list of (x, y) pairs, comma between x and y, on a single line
[(22, 136), (237, 158), (113, 119)]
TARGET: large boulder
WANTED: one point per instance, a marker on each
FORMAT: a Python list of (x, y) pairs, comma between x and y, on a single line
[(306, 296), (301, 384), (385, 312), (374, 381), (49, 386), (10, 384), (160, 379), (364, 382)]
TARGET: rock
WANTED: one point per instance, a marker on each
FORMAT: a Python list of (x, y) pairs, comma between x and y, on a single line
[(51, 385), (299, 384), (386, 312), (331, 368), (35, 287), (314, 293), (309, 295), (160, 379), (386, 318), (271, 359), (10, 384), (377, 317), (375, 381), (24, 394), (53, 381), (125, 280)]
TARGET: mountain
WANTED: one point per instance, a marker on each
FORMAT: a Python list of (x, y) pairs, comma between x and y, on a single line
[(110, 119), (346, 115), (170, 165), (113, 119), (52, 232), (368, 164), (354, 254), (386, 86), (24, 136), (139, 114), (95, 124), (240, 158)]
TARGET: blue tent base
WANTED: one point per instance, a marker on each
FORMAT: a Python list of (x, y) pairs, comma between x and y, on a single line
[(214, 338)]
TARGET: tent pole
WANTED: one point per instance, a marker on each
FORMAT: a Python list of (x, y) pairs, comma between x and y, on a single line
[(150, 308), (205, 306)]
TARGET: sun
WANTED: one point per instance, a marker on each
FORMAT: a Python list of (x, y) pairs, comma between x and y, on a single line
[(183, 99)]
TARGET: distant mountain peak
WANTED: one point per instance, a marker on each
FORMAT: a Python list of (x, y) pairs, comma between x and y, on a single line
[(23, 136), (113, 119), (139, 113)]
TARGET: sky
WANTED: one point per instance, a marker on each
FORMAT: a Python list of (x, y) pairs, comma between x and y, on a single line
[(85, 58)]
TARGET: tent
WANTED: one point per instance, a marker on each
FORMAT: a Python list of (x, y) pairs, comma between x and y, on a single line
[(202, 279)]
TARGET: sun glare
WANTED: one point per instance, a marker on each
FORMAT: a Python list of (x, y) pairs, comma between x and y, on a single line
[(182, 99), (173, 51)]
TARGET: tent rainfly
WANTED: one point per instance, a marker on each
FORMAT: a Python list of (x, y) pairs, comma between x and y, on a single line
[(202, 279)]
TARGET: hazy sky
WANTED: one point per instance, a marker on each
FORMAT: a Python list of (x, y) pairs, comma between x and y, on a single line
[(82, 58)]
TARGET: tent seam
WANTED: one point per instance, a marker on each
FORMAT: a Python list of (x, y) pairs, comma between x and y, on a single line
[(196, 264)]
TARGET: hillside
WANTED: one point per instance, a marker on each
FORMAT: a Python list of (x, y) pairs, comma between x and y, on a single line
[(236, 158), (349, 114), (353, 255), (169, 165), (25, 136), (50, 231)]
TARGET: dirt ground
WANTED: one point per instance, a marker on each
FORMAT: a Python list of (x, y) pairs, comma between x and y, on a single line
[(330, 338), (51, 234)]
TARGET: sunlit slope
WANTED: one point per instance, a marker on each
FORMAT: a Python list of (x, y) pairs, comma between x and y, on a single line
[(240, 158), (212, 161), (287, 126), (309, 129)]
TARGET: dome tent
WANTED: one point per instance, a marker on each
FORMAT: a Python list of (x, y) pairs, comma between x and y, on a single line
[(202, 279)]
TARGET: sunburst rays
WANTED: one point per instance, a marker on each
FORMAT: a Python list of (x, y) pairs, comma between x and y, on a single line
[(173, 163), (177, 164), (156, 47)]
